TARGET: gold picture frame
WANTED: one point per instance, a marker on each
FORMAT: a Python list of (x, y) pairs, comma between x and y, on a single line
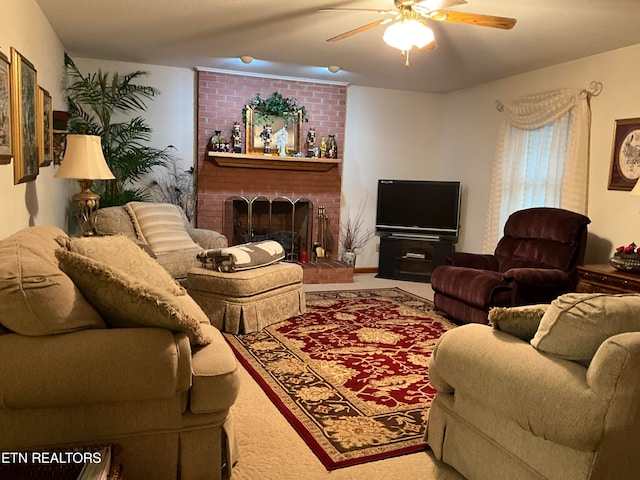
[(6, 152), (625, 154), (45, 128), (24, 122), (253, 131)]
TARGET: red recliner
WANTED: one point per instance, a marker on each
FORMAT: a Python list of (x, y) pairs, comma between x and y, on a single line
[(534, 262)]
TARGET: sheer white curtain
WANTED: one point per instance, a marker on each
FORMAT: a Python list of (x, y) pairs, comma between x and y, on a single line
[(542, 157)]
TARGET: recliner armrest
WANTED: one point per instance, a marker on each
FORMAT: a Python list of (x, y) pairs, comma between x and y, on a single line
[(93, 366), (539, 277), (537, 285), (208, 239), (473, 260)]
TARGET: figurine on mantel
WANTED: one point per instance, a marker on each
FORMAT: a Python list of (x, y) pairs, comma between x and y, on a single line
[(236, 138), (282, 136), (265, 135), (311, 143)]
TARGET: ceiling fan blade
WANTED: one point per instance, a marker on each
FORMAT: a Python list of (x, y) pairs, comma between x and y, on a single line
[(359, 30), (431, 5), (473, 19), (382, 12)]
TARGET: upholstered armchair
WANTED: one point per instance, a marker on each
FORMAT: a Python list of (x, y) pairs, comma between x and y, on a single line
[(534, 262)]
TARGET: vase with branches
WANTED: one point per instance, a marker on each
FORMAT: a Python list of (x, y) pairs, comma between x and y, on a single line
[(173, 184), (94, 101), (353, 234)]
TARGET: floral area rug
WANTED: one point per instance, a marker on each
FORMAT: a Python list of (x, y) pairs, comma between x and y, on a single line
[(351, 374)]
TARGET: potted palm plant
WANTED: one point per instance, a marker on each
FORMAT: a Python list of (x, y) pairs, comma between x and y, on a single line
[(94, 101)]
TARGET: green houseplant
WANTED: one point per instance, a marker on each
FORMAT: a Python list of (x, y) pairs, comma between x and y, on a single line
[(94, 101), (265, 109)]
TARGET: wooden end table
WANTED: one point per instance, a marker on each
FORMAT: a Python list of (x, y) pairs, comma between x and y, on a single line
[(606, 279)]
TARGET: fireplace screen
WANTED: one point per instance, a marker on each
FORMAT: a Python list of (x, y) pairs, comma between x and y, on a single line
[(289, 222)]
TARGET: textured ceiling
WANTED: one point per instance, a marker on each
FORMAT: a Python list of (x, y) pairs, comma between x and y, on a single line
[(288, 38)]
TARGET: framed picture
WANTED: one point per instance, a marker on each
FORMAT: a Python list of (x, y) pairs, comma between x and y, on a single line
[(24, 121), (254, 139), (625, 154), (45, 122), (5, 111)]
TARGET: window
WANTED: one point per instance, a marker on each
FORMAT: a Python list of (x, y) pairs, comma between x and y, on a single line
[(541, 158)]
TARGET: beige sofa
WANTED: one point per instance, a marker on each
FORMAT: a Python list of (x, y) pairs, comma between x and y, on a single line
[(551, 392), (164, 229), (99, 344)]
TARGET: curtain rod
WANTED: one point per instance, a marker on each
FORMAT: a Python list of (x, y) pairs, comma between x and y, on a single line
[(595, 89)]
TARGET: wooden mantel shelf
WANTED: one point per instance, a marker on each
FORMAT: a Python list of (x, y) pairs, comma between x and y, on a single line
[(273, 162)]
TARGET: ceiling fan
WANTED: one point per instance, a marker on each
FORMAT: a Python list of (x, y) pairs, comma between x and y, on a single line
[(408, 26)]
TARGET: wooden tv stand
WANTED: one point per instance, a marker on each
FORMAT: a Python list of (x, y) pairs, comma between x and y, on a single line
[(412, 258)]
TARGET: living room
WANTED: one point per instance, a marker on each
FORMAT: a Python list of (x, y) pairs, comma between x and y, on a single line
[(457, 133), (435, 136)]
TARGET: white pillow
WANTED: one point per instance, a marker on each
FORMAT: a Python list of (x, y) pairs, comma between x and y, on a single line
[(575, 324), (161, 226)]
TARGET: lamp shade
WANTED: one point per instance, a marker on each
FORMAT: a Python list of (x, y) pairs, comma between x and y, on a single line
[(83, 159), (406, 34), (636, 189)]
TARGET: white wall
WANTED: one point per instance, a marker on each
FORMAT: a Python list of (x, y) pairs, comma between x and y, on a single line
[(170, 114), (389, 134), (453, 137), (472, 116), (24, 27)]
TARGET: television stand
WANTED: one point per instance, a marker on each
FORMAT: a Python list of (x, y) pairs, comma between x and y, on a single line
[(412, 258)]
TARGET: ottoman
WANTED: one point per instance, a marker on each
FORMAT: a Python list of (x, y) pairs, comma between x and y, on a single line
[(249, 300)]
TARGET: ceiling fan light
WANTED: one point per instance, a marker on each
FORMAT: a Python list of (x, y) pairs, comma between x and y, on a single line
[(406, 34)]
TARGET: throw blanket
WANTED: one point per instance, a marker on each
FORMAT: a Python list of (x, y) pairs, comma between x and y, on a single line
[(242, 257)]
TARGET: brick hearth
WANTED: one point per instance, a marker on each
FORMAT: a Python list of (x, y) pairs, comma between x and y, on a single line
[(328, 271)]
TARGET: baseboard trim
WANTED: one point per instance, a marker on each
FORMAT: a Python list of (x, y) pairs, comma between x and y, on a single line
[(366, 270)]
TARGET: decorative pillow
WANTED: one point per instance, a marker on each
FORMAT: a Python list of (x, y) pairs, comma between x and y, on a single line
[(521, 322), (124, 301), (243, 257), (123, 254), (36, 297), (575, 324), (161, 226)]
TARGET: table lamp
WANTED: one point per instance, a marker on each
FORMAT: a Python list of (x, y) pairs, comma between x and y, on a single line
[(83, 160)]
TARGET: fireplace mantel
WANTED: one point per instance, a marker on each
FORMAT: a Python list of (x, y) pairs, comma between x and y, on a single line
[(273, 162)]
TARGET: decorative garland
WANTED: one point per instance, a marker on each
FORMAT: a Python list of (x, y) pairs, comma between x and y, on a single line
[(264, 109)]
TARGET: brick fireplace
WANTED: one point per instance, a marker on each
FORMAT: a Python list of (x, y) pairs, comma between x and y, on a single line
[(221, 97)]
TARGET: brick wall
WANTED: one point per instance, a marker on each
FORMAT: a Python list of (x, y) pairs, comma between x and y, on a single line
[(221, 97)]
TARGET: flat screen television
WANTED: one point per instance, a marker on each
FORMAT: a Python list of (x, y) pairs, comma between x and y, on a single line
[(423, 207)]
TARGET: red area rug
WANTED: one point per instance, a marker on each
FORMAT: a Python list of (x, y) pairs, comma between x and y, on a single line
[(351, 374)]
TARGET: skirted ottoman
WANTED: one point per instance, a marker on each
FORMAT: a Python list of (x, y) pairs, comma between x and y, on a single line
[(248, 300)]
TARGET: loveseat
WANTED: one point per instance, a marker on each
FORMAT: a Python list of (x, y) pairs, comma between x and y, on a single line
[(164, 230), (550, 392), (100, 345)]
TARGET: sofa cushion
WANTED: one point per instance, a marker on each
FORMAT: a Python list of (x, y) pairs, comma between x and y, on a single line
[(521, 322), (36, 297), (114, 220), (575, 324), (125, 301), (161, 226), (121, 253)]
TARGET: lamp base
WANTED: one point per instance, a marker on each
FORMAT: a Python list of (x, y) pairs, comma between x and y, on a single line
[(87, 202)]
